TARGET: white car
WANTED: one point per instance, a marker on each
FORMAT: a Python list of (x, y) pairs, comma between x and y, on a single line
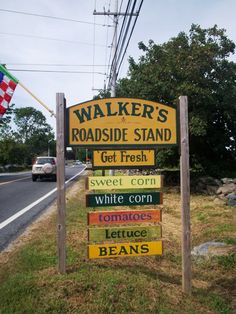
[(78, 162), (44, 167)]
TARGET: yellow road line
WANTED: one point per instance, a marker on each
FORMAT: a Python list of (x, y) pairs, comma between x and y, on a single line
[(3, 183)]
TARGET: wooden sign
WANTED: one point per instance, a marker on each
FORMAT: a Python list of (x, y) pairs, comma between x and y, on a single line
[(124, 182), (123, 233), (124, 217), (124, 199), (122, 159), (124, 249), (121, 121)]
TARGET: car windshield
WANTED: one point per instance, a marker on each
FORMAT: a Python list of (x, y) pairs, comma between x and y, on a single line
[(42, 161)]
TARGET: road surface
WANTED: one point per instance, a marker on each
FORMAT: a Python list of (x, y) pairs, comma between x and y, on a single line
[(22, 201)]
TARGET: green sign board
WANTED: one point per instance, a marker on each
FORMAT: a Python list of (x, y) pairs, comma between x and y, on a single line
[(120, 199), (124, 233)]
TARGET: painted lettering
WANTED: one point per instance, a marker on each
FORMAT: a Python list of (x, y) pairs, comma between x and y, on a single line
[(122, 250), (96, 111), (152, 135), (125, 233), (162, 117)]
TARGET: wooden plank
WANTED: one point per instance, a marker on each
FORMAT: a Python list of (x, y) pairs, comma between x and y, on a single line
[(115, 250), (61, 201), (124, 182), (124, 199), (185, 196), (123, 159), (124, 217), (124, 233)]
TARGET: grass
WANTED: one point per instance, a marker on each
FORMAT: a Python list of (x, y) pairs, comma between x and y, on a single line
[(30, 282), (214, 302)]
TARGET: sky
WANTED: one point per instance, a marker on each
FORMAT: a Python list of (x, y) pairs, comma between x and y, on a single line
[(85, 47)]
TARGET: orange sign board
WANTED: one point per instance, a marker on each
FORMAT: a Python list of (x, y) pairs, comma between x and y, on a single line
[(120, 122), (124, 217)]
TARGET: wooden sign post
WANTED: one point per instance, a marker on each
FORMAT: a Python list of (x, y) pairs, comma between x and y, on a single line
[(185, 196), (61, 201), (126, 124)]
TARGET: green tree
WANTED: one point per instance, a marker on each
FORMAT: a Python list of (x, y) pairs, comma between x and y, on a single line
[(31, 123), (102, 94), (195, 65), (12, 152), (32, 136), (5, 123), (33, 131)]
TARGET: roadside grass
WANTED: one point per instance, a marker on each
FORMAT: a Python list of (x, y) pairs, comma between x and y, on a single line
[(30, 282)]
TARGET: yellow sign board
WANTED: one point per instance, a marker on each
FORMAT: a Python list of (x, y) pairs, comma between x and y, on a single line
[(124, 182), (112, 250), (124, 158), (121, 121)]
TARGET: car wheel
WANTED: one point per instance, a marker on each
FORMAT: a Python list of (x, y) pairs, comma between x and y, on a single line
[(54, 178), (34, 178)]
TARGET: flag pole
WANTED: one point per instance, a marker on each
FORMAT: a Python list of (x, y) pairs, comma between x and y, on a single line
[(36, 98)]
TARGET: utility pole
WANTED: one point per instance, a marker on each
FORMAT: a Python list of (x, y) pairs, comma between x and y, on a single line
[(114, 48), (114, 54), (116, 14)]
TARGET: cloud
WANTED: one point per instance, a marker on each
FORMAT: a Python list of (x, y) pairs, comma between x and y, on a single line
[(158, 20)]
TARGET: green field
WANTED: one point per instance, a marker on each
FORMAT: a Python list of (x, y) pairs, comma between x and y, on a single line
[(30, 282)]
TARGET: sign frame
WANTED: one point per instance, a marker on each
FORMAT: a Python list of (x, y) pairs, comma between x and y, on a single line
[(94, 167), (120, 145)]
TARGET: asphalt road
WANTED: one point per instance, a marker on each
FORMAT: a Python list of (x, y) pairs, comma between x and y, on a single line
[(22, 201)]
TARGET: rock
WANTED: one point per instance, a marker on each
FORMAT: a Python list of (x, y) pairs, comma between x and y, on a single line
[(231, 202), (228, 180), (226, 189), (209, 181), (219, 201), (205, 248), (211, 189), (222, 250), (206, 185), (231, 196)]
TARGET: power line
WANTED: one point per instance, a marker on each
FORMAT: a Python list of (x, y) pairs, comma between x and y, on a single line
[(141, 3), (93, 46), (119, 45), (51, 17), (106, 52), (120, 6), (50, 38), (123, 39), (52, 71), (55, 64)]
